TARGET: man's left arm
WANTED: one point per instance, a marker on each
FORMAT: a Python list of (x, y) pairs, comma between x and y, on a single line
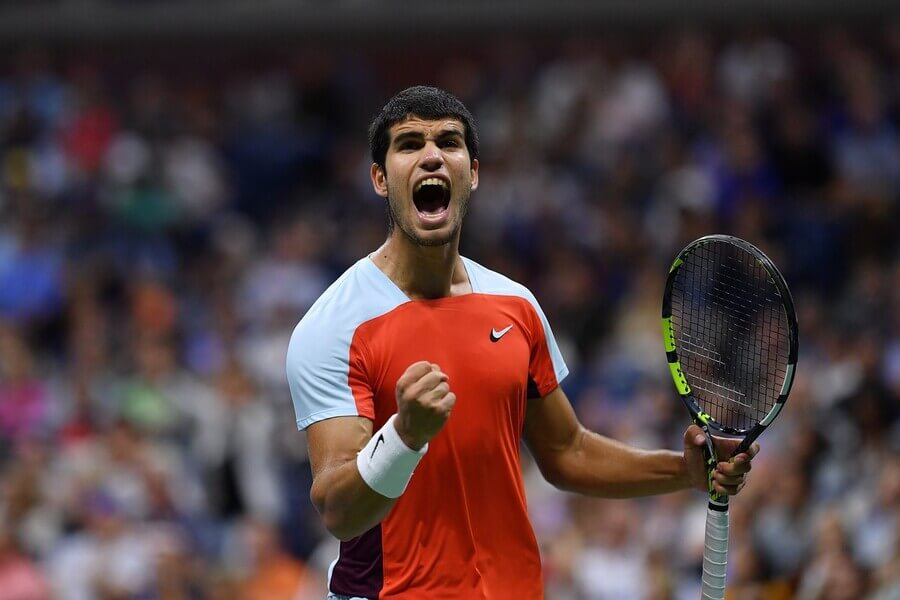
[(574, 459)]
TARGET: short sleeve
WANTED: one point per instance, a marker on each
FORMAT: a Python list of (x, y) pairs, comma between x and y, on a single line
[(546, 368), (320, 376), (327, 362)]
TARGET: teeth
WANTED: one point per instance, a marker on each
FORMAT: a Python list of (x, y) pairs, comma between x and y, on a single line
[(431, 181)]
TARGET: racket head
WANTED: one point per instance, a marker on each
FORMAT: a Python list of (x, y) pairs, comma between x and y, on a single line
[(730, 335)]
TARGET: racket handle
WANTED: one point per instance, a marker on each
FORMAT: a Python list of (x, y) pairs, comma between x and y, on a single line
[(715, 554)]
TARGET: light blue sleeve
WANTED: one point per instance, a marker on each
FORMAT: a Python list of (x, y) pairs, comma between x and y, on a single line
[(318, 372)]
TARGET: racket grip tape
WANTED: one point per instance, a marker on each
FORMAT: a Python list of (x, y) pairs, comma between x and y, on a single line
[(715, 555)]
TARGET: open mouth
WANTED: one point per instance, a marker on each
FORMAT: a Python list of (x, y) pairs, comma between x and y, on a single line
[(432, 197)]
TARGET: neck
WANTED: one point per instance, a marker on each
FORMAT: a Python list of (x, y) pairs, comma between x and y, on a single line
[(422, 272)]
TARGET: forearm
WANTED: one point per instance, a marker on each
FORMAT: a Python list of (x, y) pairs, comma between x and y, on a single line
[(596, 465), (349, 507), (354, 490)]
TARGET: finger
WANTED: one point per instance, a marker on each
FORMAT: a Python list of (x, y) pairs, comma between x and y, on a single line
[(735, 466), (444, 405), (421, 390), (413, 373), (725, 447), (419, 367), (742, 463), (695, 436), (728, 480), (448, 402), (729, 490), (438, 393), (427, 382), (433, 378), (730, 469)]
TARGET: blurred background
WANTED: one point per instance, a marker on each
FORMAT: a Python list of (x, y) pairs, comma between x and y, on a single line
[(179, 181)]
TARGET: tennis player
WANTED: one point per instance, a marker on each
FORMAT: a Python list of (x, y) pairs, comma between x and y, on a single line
[(415, 376)]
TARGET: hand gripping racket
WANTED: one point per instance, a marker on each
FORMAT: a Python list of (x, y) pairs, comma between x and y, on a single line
[(730, 334)]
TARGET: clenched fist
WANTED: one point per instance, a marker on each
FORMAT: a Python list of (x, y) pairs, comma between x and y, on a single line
[(424, 401)]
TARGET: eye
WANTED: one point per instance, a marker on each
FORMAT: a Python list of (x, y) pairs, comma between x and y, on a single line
[(407, 145)]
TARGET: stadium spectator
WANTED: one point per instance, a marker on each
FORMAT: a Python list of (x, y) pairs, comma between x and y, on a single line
[(20, 576)]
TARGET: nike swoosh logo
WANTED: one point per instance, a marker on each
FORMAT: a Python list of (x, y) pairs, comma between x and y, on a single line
[(380, 440), (496, 335)]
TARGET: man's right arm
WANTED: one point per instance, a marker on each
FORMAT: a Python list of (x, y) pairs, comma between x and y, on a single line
[(349, 507), (348, 504)]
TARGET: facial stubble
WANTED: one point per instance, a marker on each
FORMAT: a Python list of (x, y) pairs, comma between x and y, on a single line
[(410, 232)]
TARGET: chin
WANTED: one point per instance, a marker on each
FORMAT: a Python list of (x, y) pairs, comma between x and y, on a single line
[(430, 238), (434, 242)]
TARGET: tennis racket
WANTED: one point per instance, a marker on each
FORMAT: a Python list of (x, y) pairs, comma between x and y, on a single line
[(730, 334)]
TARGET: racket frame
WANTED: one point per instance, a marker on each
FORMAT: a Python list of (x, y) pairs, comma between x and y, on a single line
[(715, 555), (701, 418)]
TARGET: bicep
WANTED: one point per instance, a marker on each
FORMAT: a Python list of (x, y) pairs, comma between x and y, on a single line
[(336, 441), (551, 429)]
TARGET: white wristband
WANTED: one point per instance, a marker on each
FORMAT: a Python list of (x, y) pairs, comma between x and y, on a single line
[(386, 464)]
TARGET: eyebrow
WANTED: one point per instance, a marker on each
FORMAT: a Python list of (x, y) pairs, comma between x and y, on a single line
[(418, 135)]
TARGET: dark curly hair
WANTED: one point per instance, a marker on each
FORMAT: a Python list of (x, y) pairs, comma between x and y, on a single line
[(424, 102)]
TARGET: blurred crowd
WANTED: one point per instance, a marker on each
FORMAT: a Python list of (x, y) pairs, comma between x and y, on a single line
[(167, 217)]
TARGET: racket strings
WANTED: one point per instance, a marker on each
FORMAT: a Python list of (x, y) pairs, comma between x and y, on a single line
[(731, 333)]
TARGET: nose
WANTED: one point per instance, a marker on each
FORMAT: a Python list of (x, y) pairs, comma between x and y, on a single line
[(431, 159)]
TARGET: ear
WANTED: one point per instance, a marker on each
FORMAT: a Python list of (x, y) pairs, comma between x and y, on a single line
[(474, 174), (379, 180)]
